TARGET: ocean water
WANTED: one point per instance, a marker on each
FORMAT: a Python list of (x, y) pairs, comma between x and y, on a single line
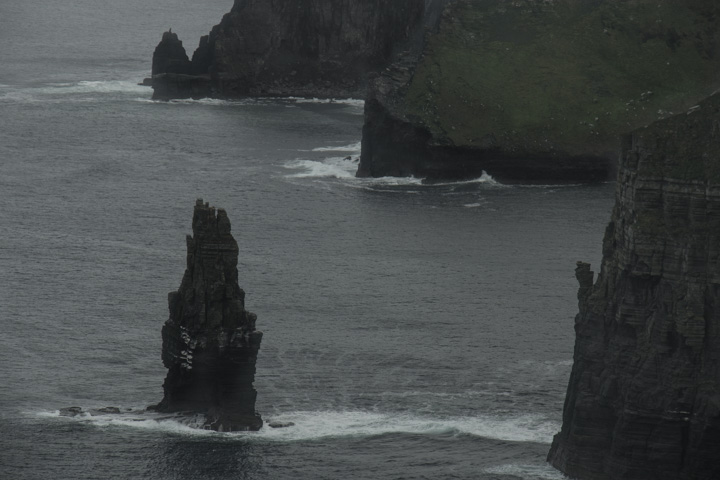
[(411, 331)]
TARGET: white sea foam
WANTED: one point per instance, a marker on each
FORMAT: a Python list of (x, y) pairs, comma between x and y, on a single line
[(317, 425), (138, 420), (353, 147), (483, 178), (344, 169), (527, 472), (106, 86), (334, 167), (78, 91), (354, 102)]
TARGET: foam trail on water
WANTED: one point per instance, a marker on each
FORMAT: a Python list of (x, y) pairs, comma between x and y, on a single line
[(55, 92), (139, 420), (527, 472), (334, 167), (483, 178), (315, 425), (354, 102), (106, 86), (353, 147)]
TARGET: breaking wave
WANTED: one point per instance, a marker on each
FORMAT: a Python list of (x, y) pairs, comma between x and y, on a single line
[(314, 425), (353, 147), (334, 167), (344, 168)]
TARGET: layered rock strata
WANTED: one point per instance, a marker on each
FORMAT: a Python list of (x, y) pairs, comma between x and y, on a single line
[(312, 48), (537, 91), (643, 400), (210, 343)]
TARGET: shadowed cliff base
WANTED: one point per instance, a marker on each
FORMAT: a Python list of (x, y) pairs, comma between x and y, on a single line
[(310, 48), (551, 82), (643, 399), (210, 343)]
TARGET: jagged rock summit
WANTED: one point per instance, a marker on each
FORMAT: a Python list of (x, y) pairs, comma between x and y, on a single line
[(210, 343), (643, 401), (310, 48)]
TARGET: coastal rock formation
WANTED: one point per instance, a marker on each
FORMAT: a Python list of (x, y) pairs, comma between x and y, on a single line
[(210, 343), (173, 74), (536, 91), (314, 48), (643, 400)]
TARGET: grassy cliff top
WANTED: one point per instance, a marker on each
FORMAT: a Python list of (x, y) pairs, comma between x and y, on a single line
[(568, 75), (685, 147)]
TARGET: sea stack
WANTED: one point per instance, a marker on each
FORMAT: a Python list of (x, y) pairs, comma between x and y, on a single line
[(309, 48), (643, 401), (210, 343)]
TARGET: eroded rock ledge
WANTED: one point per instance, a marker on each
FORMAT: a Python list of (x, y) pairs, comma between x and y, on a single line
[(643, 400), (310, 48), (210, 343)]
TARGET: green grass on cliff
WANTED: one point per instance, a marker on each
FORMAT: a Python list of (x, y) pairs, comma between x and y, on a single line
[(537, 75)]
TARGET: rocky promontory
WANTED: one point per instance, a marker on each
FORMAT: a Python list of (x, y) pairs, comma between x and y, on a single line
[(311, 48), (537, 90), (643, 399), (210, 343)]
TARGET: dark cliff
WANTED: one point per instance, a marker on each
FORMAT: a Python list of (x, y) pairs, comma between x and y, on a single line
[(210, 343), (320, 48), (537, 91), (643, 400)]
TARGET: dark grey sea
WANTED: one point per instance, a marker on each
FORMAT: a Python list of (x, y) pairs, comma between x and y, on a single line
[(411, 331)]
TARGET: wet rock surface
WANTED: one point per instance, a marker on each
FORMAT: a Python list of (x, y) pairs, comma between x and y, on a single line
[(210, 344), (643, 399)]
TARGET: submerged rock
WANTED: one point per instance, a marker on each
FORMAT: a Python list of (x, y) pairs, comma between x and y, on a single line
[(71, 411), (281, 424), (643, 401), (210, 343), (312, 48)]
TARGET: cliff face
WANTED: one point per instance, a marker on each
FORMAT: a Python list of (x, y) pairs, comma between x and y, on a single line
[(319, 48), (210, 344), (643, 400), (536, 90)]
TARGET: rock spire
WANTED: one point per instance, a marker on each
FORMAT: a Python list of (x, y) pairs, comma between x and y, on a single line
[(210, 343)]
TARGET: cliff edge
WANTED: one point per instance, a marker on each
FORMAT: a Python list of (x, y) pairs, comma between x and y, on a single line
[(210, 343), (310, 48), (537, 91), (643, 400)]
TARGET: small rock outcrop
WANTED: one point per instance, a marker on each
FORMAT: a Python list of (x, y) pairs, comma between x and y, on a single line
[(210, 343), (310, 48), (536, 91), (643, 400)]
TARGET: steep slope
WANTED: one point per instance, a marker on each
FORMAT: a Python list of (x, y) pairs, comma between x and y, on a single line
[(319, 48), (643, 400), (533, 90)]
